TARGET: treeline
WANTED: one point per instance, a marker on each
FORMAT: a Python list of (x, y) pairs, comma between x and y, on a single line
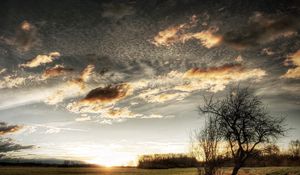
[(269, 156), (272, 160), (33, 164), (163, 161), (43, 163)]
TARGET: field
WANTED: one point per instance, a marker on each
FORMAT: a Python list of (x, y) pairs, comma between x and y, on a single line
[(135, 171)]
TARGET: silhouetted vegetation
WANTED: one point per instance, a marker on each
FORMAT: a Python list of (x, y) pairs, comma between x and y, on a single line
[(163, 161), (259, 158), (294, 148), (244, 123), (206, 146)]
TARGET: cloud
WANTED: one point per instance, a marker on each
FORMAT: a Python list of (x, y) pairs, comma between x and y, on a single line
[(100, 98), (214, 72), (2, 70), (83, 78), (87, 72), (56, 71), (153, 116), (41, 59), (215, 79), (173, 34), (178, 34), (239, 59), (51, 128), (73, 87), (26, 37), (15, 80), (108, 94), (262, 29), (159, 96), (267, 51), (100, 104), (66, 90), (83, 118), (11, 81), (55, 98), (207, 38), (177, 85), (118, 113), (7, 145), (293, 60), (7, 129)]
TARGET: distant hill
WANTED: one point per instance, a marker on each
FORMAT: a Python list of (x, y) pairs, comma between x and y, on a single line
[(44, 162)]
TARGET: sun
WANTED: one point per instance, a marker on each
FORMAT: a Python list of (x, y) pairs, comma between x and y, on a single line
[(112, 161)]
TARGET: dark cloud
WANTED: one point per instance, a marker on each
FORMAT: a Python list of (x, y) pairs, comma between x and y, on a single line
[(56, 71), (110, 93), (262, 29), (7, 145), (5, 128)]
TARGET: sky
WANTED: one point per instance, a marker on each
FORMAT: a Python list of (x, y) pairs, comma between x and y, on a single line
[(106, 81)]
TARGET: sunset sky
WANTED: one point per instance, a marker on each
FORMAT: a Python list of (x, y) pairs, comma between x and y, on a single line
[(106, 81)]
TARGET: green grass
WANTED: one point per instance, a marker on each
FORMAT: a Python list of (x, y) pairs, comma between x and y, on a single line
[(135, 171)]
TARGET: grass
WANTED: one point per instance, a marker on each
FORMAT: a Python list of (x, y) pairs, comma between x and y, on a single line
[(134, 171)]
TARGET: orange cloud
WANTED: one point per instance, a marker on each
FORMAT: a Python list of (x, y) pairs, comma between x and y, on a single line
[(294, 60), (178, 33), (41, 59), (26, 26), (173, 34), (83, 78), (216, 78), (213, 72), (86, 73), (6, 129), (56, 71), (207, 38)]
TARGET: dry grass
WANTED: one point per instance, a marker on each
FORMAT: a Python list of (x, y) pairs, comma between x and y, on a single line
[(135, 171)]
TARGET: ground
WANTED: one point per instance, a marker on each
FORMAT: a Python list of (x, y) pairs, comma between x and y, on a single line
[(135, 171)]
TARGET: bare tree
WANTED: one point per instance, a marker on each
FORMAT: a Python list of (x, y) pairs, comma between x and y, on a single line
[(271, 150), (244, 123), (294, 148), (206, 146)]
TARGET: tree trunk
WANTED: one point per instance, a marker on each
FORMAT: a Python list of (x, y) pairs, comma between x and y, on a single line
[(236, 169)]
